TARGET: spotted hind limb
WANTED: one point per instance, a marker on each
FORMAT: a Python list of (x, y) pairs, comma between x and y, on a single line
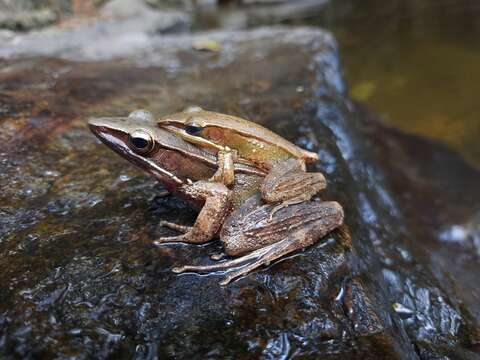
[(210, 219), (288, 183), (242, 265), (296, 237)]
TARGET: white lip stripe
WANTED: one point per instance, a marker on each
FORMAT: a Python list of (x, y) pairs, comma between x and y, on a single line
[(160, 171)]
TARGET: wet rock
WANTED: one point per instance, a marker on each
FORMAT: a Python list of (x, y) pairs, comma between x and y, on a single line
[(26, 20), (281, 11), (246, 14), (125, 8), (124, 28), (25, 15), (83, 279)]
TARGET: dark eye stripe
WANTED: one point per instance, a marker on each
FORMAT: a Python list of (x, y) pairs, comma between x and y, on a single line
[(193, 130)]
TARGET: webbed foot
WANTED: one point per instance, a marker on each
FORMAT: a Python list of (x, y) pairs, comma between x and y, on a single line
[(245, 264)]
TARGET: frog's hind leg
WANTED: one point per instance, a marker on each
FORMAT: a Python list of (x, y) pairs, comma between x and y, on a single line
[(247, 263), (288, 202), (226, 265), (288, 183), (274, 252), (263, 256)]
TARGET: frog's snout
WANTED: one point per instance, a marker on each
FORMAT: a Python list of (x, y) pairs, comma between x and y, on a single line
[(94, 122), (107, 124), (95, 125)]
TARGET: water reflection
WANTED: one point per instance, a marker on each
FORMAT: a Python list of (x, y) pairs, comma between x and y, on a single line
[(415, 62)]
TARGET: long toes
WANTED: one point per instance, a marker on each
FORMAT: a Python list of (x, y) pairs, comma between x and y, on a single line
[(226, 280), (178, 269), (193, 268), (247, 269), (217, 257), (168, 239), (232, 276), (173, 226), (223, 266), (165, 223), (198, 269), (159, 242)]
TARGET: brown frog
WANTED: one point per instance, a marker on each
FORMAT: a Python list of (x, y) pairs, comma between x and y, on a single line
[(234, 139), (239, 213)]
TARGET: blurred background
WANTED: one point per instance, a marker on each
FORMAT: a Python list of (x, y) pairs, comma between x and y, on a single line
[(414, 62)]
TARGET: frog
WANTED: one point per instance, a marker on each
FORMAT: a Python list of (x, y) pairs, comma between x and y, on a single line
[(237, 214), (235, 139)]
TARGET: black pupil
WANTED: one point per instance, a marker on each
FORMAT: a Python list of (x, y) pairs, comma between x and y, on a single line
[(192, 129), (139, 143)]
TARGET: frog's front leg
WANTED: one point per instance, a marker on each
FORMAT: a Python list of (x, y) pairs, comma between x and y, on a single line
[(210, 219), (288, 183), (225, 173)]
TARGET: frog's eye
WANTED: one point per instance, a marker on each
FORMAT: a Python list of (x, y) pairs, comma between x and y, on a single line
[(193, 129), (141, 142)]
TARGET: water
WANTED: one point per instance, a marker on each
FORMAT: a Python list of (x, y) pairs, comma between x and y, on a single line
[(416, 63)]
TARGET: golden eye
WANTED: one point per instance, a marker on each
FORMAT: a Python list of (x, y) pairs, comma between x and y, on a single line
[(141, 142)]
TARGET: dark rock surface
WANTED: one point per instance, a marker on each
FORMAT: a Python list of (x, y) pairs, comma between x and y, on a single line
[(80, 276)]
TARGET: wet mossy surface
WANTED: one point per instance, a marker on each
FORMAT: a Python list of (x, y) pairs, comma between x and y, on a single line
[(81, 278)]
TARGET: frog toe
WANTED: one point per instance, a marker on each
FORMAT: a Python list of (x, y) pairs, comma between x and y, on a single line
[(170, 239), (178, 269), (173, 226)]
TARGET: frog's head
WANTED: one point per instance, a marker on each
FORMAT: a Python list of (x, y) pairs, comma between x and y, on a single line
[(166, 156), (217, 132), (194, 126)]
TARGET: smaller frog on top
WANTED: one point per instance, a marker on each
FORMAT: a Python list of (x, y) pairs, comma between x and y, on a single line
[(236, 140)]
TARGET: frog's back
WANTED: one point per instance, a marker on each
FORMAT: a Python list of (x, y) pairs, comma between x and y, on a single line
[(249, 129)]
